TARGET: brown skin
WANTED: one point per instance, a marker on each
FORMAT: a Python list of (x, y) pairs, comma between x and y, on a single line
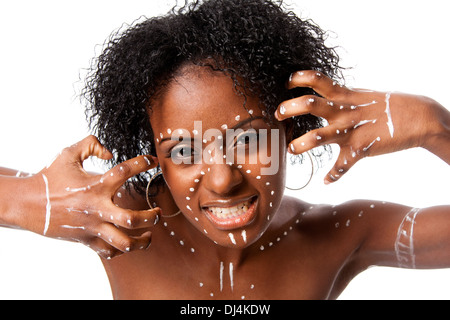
[(309, 252)]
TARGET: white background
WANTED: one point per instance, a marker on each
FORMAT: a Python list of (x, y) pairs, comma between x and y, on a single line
[(44, 45)]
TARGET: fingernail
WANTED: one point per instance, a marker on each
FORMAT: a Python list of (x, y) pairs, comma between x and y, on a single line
[(156, 220), (155, 159), (326, 182), (292, 148), (276, 115)]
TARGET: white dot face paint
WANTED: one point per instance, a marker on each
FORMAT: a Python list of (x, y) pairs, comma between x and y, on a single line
[(232, 239), (244, 236)]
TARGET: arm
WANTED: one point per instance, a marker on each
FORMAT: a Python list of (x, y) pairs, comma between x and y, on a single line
[(64, 201), (399, 236), (12, 173), (368, 123)]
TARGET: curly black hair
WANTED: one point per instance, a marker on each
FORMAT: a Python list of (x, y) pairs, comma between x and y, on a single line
[(259, 41)]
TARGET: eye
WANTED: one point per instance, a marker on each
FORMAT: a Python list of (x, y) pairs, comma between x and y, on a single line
[(182, 152), (246, 138)]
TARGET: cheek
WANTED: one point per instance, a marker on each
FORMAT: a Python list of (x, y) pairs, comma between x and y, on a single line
[(183, 184)]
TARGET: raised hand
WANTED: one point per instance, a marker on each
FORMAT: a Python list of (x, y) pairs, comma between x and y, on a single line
[(77, 206), (362, 122)]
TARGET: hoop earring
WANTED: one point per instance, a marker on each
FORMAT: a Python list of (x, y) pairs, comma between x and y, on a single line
[(310, 178), (148, 197)]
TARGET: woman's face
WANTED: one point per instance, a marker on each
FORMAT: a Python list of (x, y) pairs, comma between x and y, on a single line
[(223, 162)]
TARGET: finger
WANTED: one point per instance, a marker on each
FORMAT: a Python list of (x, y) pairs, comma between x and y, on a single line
[(118, 175), (142, 242), (118, 238), (107, 251), (317, 81), (90, 146), (315, 138), (131, 219), (103, 249), (346, 159), (307, 104)]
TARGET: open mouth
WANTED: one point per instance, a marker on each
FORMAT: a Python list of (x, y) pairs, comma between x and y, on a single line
[(232, 217)]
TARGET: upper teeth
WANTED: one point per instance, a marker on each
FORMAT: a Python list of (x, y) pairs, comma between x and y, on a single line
[(230, 212)]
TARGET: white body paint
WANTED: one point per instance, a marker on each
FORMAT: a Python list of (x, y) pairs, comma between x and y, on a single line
[(363, 122), (221, 276), (231, 276), (390, 124), (404, 243), (367, 104), (72, 227), (233, 240), (371, 144), (48, 208), (244, 236)]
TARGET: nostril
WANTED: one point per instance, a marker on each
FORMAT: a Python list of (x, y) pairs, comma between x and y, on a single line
[(222, 178)]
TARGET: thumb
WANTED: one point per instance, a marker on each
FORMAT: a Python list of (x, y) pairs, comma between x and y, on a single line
[(90, 146)]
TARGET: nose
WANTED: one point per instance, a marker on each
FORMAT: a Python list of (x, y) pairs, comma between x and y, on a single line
[(222, 179)]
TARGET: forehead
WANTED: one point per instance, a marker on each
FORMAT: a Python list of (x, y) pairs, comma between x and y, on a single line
[(201, 94)]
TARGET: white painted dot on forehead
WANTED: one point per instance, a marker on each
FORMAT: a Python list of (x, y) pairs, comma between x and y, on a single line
[(224, 127), (161, 135), (250, 111), (238, 117), (169, 131)]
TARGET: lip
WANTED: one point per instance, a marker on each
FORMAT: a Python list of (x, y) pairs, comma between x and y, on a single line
[(233, 222)]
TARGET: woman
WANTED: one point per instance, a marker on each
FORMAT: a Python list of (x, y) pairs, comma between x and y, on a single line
[(230, 254)]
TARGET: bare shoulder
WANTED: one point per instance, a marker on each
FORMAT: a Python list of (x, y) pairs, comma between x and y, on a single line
[(348, 223)]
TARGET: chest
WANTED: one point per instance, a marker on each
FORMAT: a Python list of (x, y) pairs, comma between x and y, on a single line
[(278, 272)]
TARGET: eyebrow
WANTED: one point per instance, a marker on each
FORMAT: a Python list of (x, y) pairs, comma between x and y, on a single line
[(238, 125)]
